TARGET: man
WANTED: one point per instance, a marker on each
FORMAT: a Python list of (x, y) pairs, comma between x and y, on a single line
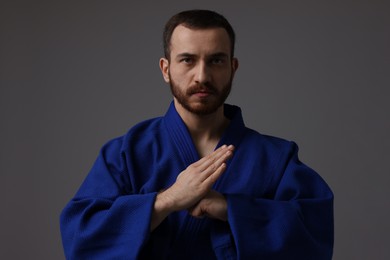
[(197, 183)]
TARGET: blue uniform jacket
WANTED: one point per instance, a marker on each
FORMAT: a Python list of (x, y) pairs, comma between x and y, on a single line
[(278, 208)]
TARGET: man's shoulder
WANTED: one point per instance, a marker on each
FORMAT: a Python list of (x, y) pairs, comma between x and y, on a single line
[(140, 132), (145, 127), (266, 138), (264, 142)]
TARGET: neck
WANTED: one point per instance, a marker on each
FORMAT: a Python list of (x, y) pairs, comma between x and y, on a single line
[(205, 130)]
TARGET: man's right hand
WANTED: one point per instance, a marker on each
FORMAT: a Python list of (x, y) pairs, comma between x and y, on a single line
[(191, 185)]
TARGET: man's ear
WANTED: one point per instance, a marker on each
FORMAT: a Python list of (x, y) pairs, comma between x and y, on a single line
[(234, 65), (164, 67)]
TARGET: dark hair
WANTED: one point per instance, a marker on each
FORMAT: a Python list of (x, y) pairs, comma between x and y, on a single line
[(196, 19)]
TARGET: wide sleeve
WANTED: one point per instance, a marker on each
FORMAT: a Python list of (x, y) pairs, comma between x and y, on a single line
[(105, 220), (293, 221)]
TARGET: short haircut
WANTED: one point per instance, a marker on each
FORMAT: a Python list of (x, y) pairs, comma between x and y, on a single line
[(197, 19)]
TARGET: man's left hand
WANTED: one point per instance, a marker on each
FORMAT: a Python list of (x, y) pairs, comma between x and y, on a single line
[(213, 205)]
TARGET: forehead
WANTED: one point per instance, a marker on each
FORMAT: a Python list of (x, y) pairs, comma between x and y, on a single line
[(199, 41)]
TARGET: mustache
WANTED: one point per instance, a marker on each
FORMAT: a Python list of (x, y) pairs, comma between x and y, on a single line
[(205, 87)]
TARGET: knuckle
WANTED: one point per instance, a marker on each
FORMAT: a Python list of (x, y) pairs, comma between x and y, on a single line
[(190, 167)]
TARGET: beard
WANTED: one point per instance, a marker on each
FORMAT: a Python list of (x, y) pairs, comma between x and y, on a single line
[(203, 105)]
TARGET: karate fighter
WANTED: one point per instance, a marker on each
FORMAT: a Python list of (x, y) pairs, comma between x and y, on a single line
[(196, 183)]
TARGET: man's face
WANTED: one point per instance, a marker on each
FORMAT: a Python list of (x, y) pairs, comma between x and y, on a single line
[(200, 71)]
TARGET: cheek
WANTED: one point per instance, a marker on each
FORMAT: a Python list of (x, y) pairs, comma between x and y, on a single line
[(180, 77), (224, 76)]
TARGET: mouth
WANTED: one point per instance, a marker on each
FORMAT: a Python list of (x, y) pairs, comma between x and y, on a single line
[(202, 94)]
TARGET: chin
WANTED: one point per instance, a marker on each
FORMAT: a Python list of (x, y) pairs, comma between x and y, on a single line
[(202, 109)]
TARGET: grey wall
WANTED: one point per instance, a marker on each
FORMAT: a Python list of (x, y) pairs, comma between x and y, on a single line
[(74, 74)]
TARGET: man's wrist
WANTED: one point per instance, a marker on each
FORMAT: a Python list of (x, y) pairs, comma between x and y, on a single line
[(164, 203)]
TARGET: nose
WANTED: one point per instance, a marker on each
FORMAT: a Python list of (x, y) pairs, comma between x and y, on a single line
[(202, 73)]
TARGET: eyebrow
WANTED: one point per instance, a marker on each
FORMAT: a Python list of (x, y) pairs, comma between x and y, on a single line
[(185, 55), (220, 55), (214, 55)]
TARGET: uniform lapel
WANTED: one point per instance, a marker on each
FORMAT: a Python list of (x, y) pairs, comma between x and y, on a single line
[(180, 136)]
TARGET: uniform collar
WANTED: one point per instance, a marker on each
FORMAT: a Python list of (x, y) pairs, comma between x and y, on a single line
[(182, 138)]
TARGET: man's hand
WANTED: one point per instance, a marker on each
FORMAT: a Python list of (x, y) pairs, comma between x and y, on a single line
[(213, 205), (191, 185), (195, 182)]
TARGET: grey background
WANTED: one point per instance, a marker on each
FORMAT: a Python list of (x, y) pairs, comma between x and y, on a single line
[(74, 74)]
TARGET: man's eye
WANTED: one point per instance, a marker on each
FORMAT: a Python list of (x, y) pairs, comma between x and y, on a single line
[(217, 61), (186, 60)]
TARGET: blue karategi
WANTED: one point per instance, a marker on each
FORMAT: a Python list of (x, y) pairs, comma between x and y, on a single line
[(278, 208)]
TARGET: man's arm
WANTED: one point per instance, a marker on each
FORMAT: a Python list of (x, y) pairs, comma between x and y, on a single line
[(105, 219), (292, 219)]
